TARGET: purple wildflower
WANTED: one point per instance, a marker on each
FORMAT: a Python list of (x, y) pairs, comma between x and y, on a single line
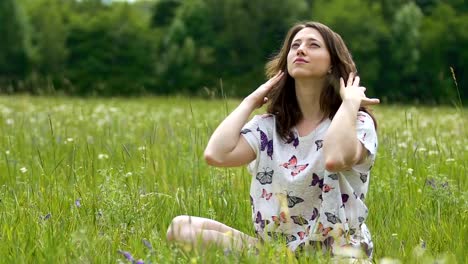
[(147, 244), (140, 261), (127, 255), (78, 202)]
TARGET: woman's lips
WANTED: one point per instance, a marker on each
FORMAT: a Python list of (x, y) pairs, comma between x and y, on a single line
[(300, 60)]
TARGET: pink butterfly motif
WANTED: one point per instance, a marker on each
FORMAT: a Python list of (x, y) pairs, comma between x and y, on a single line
[(279, 219), (266, 195), (303, 234), (361, 118), (292, 165)]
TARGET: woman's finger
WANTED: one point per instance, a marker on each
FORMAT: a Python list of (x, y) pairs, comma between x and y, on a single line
[(341, 82), (356, 81), (350, 79), (370, 101)]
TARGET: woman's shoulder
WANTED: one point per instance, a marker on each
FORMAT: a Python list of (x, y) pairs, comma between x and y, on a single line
[(264, 119)]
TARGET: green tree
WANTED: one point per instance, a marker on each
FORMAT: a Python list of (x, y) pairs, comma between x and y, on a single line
[(49, 34), (363, 30), (110, 52), (229, 40), (401, 71), (15, 48), (443, 45)]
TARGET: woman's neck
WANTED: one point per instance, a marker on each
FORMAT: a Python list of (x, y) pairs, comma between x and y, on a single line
[(308, 98)]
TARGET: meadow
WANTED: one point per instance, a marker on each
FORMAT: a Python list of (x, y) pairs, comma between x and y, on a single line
[(88, 180)]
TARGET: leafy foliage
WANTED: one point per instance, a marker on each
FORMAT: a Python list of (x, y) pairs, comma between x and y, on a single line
[(404, 49)]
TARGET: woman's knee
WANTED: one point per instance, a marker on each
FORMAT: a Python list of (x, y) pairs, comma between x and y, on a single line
[(176, 227)]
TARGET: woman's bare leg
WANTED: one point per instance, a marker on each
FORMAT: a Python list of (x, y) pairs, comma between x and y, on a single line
[(191, 230)]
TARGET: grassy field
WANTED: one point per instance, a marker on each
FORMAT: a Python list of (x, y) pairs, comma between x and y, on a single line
[(82, 180)]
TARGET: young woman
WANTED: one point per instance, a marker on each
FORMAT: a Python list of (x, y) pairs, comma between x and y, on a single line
[(310, 155)]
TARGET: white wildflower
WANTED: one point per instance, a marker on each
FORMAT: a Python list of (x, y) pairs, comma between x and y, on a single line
[(389, 261), (394, 234), (70, 139), (410, 171), (433, 152), (10, 121), (128, 174), (7, 152), (142, 148), (103, 156), (422, 149), (449, 160), (23, 170), (402, 145)]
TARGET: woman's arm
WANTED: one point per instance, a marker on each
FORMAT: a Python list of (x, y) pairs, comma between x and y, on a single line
[(226, 147), (341, 147)]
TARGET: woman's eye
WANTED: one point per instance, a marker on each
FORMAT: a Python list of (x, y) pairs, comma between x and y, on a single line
[(314, 45), (295, 45)]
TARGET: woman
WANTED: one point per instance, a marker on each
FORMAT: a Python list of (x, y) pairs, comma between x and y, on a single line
[(310, 155)]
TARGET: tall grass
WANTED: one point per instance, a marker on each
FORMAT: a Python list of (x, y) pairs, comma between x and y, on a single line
[(83, 180)]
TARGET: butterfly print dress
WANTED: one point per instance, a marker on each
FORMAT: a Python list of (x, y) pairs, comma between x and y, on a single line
[(295, 199)]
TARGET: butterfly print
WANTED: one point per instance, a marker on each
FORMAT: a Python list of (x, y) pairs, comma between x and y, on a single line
[(352, 231), (362, 196), (320, 197), (293, 200), (293, 139), (252, 203), (299, 220), (333, 176), (316, 180), (265, 143), (344, 197), (265, 177), (319, 144), (364, 137), (301, 235), (274, 235), (261, 221), (290, 238), (292, 165), (266, 195), (332, 218), (326, 188), (363, 177), (324, 231), (361, 219), (361, 118), (279, 219), (245, 131), (355, 195), (328, 242), (315, 214), (300, 247)]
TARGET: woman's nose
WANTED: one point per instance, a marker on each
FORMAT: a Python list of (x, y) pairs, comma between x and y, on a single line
[(300, 50)]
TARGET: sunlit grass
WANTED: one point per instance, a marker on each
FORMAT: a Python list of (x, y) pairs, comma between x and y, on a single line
[(81, 179)]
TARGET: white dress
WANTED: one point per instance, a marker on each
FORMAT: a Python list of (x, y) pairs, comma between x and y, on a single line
[(294, 198)]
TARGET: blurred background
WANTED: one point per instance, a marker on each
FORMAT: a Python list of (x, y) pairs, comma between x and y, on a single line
[(406, 51)]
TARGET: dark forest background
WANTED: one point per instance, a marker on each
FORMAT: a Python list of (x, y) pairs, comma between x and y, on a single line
[(405, 50)]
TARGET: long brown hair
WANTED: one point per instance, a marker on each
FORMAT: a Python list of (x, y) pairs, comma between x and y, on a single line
[(282, 98)]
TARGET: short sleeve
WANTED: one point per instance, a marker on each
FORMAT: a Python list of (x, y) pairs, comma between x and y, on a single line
[(252, 138), (367, 135)]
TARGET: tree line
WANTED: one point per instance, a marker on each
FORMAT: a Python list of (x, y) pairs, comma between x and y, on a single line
[(406, 51)]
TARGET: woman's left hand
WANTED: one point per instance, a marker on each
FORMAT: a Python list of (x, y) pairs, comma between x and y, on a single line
[(352, 91)]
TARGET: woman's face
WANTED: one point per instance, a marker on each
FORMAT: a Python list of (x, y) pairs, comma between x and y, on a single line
[(308, 56)]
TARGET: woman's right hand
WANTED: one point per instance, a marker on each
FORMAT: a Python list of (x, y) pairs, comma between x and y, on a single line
[(259, 97)]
